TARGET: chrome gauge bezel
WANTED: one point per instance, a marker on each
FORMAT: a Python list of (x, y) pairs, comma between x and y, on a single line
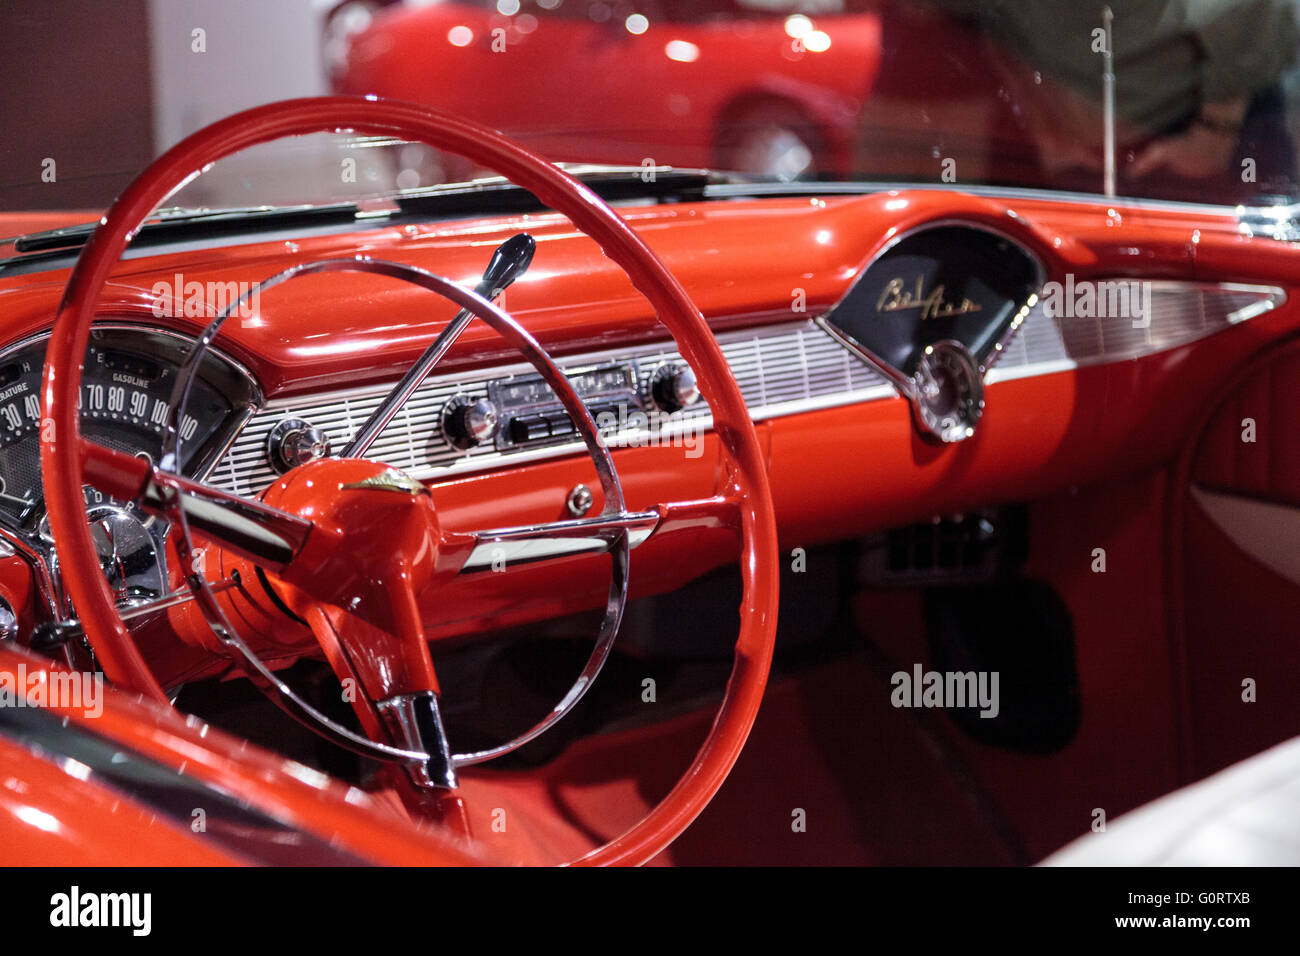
[(948, 394), (233, 380)]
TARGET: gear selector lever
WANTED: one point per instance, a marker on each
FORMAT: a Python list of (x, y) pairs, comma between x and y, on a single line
[(510, 260)]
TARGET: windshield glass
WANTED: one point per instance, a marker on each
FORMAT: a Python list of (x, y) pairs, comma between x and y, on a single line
[(1190, 100)]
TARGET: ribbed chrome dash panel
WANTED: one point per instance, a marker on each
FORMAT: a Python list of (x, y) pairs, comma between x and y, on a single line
[(1176, 313), (782, 369)]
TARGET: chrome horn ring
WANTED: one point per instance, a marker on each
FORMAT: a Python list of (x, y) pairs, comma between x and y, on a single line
[(614, 512)]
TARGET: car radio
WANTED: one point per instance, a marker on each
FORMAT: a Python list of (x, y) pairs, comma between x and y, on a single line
[(524, 411)]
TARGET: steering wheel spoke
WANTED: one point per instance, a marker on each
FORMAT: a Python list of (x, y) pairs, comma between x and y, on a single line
[(498, 549), (388, 677), (268, 536), (717, 511), (325, 553)]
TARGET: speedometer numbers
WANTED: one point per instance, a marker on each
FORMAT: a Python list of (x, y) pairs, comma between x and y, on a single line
[(125, 405)]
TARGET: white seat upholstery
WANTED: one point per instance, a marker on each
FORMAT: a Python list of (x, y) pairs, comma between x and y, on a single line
[(1246, 815)]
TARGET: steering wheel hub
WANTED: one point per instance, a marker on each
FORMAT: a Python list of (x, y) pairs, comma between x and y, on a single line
[(369, 521)]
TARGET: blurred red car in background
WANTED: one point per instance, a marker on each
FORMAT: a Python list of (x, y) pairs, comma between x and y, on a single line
[(762, 86)]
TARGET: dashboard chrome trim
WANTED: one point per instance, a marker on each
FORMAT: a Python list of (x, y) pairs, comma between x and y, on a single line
[(1181, 313), (783, 368)]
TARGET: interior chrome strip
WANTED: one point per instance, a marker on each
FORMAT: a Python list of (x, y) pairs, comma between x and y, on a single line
[(784, 368), (501, 547), (1179, 313)]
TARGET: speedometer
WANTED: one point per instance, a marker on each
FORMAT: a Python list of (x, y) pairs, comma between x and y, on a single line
[(125, 405)]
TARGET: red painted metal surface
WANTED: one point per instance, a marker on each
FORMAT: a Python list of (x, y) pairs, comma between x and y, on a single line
[(1039, 436), (62, 448), (51, 818), (734, 258), (109, 825)]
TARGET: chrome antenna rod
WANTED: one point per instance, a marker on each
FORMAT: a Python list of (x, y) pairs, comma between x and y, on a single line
[(1108, 105)]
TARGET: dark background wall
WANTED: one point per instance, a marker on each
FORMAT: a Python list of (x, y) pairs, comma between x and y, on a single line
[(76, 73)]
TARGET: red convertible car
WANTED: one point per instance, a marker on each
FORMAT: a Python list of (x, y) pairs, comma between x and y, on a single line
[(733, 84), (577, 515)]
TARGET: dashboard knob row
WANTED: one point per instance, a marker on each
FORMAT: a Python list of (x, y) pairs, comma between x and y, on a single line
[(468, 422)]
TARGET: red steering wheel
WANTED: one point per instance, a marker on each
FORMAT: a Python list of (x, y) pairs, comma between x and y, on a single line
[(68, 461)]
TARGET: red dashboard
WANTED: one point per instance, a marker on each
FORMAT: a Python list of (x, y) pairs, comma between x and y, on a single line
[(843, 462), (1073, 395)]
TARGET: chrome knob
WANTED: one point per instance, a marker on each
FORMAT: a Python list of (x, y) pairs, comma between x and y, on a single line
[(295, 442), (466, 422), (947, 392), (673, 387), (8, 621)]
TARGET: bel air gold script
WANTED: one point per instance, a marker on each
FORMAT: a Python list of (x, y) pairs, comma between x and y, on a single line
[(896, 297)]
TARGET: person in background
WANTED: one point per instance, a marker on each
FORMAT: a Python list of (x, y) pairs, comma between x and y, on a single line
[(1200, 109)]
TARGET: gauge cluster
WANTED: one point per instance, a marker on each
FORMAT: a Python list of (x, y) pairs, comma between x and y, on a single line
[(126, 395)]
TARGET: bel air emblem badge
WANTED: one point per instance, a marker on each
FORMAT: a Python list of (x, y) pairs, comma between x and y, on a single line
[(393, 480)]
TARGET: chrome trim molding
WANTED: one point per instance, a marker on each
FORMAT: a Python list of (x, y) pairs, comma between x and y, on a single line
[(415, 721), (502, 547), (783, 369), (1280, 222), (1179, 313)]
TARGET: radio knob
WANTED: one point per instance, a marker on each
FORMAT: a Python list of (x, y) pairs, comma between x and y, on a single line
[(295, 442), (467, 423), (673, 387)]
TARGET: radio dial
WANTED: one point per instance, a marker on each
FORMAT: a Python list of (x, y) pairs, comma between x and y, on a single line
[(467, 423), (673, 387)]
